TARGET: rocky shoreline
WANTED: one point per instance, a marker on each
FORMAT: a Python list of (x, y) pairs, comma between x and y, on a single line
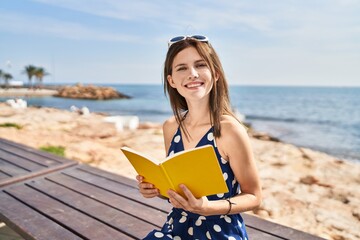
[(78, 91), (89, 92), (303, 189)]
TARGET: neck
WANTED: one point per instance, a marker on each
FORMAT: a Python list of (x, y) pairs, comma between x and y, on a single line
[(197, 117)]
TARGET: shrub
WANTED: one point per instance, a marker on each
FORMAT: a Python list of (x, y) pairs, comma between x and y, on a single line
[(14, 125), (57, 150)]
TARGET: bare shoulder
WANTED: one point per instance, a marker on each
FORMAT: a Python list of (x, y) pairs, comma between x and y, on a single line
[(234, 137), (170, 125), (231, 127), (169, 128)]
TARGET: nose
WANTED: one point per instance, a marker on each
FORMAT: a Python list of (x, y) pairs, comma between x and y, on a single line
[(193, 73)]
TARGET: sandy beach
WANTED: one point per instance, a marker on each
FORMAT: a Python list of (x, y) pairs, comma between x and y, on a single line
[(304, 189), (24, 92)]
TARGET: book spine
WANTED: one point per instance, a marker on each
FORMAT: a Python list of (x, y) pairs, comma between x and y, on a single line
[(167, 177)]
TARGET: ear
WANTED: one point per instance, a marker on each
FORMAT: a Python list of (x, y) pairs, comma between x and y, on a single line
[(217, 76), (171, 81)]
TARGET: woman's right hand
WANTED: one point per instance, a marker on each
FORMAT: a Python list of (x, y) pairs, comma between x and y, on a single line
[(148, 190)]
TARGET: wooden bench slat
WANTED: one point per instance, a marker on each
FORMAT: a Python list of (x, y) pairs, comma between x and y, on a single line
[(23, 177), (3, 175), (259, 235), (108, 215), (35, 153), (112, 176), (30, 224), (115, 187), (20, 161), (29, 156), (71, 219), (278, 230), (10, 169), (134, 208)]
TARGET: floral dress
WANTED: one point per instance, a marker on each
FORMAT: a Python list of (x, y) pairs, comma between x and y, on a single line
[(185, 225)]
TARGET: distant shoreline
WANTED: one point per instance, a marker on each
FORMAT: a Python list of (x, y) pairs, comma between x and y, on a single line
[(26, 92)]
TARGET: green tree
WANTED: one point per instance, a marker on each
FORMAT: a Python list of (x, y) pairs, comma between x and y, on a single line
[(40, 73), (1, 75), (7, 77), (30, 72)]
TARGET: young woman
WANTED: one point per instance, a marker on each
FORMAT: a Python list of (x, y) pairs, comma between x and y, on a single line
[(198, 92)]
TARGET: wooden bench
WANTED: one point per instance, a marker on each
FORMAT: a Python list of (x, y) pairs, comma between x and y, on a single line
[(19, 162), (77, 201)]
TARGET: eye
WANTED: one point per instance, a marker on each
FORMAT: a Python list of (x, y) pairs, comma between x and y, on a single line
[(181, 69), (201, 65)]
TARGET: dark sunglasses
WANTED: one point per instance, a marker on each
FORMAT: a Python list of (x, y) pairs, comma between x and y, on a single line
[(199, 38)]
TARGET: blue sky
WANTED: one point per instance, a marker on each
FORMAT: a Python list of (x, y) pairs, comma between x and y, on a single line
[(260, 42)]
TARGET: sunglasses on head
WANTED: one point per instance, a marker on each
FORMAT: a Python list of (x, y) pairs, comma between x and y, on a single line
[(199, 38)]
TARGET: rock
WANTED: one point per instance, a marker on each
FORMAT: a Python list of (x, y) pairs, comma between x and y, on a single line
[(263, 136), (309, 180), (89, 92)]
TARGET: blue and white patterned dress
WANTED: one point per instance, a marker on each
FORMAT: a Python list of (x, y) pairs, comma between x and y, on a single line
[(185, 225)]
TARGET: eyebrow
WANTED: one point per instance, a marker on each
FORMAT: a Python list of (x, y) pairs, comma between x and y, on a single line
[(183, 64)]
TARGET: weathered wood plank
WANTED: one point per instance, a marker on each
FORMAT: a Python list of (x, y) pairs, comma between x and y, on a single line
[(120, 220), (3, 175), (23, 177), (281, 231), (115, 187), (33, 157), (133, 208), (108, 175), (20, 162), (255, 234), (5, 144), (10, 169), (29, 223), (68, 217)]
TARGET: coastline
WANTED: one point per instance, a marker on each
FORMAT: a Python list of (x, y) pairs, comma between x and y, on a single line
[(26, 92), (304, 189)]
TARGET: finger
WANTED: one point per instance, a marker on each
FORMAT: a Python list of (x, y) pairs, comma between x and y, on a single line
[(145, 185), (176, 199), (139, 178), (190, 197), (151, 192)]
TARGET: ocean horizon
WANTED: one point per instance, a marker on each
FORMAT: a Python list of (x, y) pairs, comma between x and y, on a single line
[(326, 119)]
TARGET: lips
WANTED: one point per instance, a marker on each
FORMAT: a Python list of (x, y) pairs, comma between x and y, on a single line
[(194, 84)]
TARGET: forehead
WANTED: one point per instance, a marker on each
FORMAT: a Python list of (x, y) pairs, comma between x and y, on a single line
[(188, 54)]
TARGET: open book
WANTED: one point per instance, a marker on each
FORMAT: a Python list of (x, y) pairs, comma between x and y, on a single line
[(197, 168)]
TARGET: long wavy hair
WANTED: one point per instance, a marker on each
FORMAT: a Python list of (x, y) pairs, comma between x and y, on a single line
[(219, 102)]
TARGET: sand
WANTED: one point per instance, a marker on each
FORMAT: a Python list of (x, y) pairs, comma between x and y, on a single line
[(303, 189), (24, 92)]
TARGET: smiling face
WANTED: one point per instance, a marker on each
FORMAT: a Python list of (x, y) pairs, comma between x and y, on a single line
[(191, 75)]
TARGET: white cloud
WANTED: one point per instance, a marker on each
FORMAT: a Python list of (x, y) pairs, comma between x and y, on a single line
[(44, 26)]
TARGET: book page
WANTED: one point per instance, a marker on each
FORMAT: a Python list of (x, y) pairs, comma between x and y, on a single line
[(198, 169), (148, 169)]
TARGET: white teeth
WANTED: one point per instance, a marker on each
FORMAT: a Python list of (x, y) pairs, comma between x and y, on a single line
[(191, 85)]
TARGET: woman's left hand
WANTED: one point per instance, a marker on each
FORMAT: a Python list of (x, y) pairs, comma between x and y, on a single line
[(191, 204)]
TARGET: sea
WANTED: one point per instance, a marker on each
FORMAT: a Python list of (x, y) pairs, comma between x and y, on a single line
[(326, 119)]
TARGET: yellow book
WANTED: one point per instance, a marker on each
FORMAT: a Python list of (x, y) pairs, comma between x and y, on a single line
[(197, 168)]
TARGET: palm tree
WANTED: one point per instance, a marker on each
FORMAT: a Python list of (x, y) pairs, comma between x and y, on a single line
[(40, 73), (30, 72), (1, 75), (7, 77)]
